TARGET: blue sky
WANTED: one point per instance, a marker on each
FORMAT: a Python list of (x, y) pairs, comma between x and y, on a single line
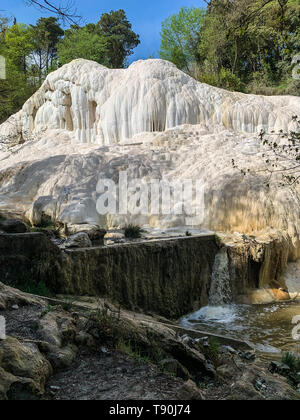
[(145, 16)]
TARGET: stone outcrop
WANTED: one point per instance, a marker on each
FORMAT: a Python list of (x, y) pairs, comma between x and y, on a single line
[(28, 257), (104, 106), (88, 123), (170, 277), (78, 240), (24, 371)]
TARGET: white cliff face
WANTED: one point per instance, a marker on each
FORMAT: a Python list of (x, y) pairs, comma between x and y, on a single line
[(105, 106), (74, 131)]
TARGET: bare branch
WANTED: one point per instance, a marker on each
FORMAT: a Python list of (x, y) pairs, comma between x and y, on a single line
[(66, 11)]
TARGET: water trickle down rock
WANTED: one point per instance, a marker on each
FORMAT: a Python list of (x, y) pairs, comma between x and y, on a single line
[(220, 290)]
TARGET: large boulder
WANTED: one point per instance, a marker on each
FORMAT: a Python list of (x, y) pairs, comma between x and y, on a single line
[(25, 370), (94, 232), (58, 331), (79, 240)]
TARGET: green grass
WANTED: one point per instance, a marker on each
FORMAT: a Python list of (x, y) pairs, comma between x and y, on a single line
[(108, 325), (129, 349), (68, 303)]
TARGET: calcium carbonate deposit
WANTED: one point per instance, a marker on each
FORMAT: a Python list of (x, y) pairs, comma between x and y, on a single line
[(88, 122)]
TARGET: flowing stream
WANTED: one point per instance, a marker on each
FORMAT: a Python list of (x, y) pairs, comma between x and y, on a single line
[(269, 327)]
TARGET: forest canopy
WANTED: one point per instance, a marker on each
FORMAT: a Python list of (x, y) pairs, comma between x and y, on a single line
[(245, 45)]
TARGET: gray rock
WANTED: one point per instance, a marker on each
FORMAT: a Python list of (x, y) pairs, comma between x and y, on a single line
[(79, 240), (94, 232)]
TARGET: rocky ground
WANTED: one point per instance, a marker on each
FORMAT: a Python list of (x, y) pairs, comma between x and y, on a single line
[(86, 349), (111, 376)]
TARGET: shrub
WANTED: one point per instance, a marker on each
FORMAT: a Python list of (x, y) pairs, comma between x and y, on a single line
[(108, 326), (133, 231), (292, 361), (49, 308)]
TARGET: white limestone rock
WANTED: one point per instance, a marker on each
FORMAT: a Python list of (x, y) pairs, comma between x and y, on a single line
[(105, 106), (88, 123)]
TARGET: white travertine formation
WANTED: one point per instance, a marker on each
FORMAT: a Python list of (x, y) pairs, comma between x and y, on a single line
[(75, 130), (105, 106)]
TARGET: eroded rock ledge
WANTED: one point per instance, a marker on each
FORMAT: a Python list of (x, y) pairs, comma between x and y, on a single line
[(169, 277)]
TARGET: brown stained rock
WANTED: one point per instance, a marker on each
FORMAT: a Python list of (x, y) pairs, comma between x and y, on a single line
[(57, 328), (24, 361)]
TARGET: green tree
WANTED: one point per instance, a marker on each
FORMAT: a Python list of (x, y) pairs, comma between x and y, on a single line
[(121, 39), (254, 40), (109, 42), (83, 42), (46, 34), (17, 47), (180, 37), (238, 44)]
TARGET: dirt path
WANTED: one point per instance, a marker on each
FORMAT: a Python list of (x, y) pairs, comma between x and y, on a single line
[(101, 375), (111, 376)]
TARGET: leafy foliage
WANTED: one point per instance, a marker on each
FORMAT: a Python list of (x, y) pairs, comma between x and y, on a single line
[(180, 37), (245, 45), (109, 42), (84, 43), (46, 35)]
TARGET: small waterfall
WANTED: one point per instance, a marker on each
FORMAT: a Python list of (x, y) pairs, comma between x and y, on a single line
[(220, 290)]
